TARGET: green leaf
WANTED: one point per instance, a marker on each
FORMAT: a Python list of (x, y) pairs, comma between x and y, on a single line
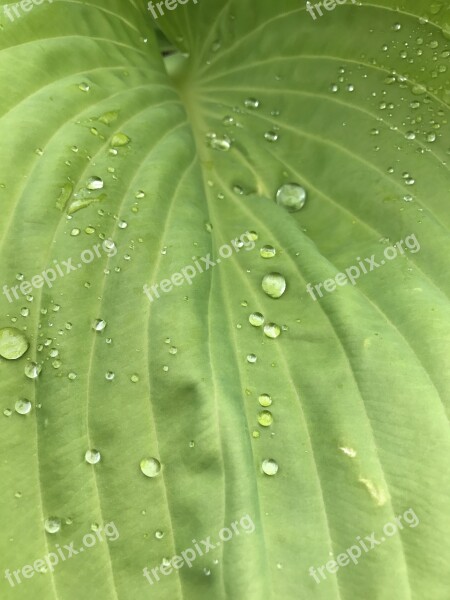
[(121, 167)]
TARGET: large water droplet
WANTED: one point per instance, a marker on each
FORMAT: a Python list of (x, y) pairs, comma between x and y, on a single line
[(274, 285), (13, 343), (32, 370), (119, 139), (265, 418), (265, 400), (256, 319), (94, 183), (151, 467), (92, 456), (291, 196), (99, 325), (52, 525), (269, 466), (23, 406), (272, 330)]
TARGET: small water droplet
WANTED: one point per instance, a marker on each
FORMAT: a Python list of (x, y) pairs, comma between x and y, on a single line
[(109, 375), (134, 378), (267, 252), (119, 139), (271, 136), (251, 103), (72, 376), (84, 87), (251, 358), (159, 535)]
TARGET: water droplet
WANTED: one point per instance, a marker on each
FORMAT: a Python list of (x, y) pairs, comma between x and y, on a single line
[(75, 232), (272, 330), (265, 400), (109, 375), (348, 451), (173, 350), (92, 456), (89, 230), (291, 196), (269, 466), (52, 525), (218, 143), (267, 252), (13, 343), (396, 27), (25, 312), (32, 370), (159, 535), (84, 87), (271, 136), (72, 376), (139, 194), (134, 378), (265, 418), (255, 434), (251, 103), (22, 406), (119, 139), (122, 224), (94, 183), (7, 412), (274, 285), (151, 467), (251, 358), (99, 325), (256, 319)]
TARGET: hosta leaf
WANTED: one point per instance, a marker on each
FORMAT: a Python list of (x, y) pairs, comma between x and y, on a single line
[(121, 167)]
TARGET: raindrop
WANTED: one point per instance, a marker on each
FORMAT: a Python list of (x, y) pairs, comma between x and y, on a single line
[(151, 467), (251, 103), (265, 400), (272, 330), (99, 325), (251, 358), (52, 525), (13, 343), (84, 87), (32, 370), (159, 535), (291, 196), (267, 252), (274, 285), (256, 319), (92, 456), (22, 406), (269, 466), (265, 418), (119, 139), (94, 183), (271, 136)]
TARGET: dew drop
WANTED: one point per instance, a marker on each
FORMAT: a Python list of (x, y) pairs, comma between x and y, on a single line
[(13, 343), (265, 400), (22, 406), (92, 456), (265, 418), (251, 103), (159, 535), (291, 197), (119, 139), (94, 183), (52, 525), (84, 87), (32, 370), (269, 466), (99, 325), (267, 252), (274, 285), (151, 467), (251, 358), (271, 136), (256, 319), (272, 330)]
